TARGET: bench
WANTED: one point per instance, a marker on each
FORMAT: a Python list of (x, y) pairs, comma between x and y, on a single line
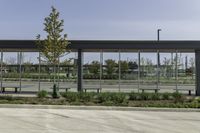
[(154, 89), (15, 87), (189, 90), (93, 88), (63, 88)]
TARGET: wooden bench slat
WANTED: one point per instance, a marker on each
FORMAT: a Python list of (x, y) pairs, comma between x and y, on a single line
[(91, 88), (155, 89), (189, 90), (15, 87)]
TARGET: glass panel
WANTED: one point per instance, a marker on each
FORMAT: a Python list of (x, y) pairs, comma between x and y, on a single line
[(148, 70), (11, 70), (68, 71), (186, 71), (91, 69), (30, 65), (167, 80), (129, 71), (110, 74)]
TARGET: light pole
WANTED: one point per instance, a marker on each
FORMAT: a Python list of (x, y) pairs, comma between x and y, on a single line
[(158, 60), (158, 33)]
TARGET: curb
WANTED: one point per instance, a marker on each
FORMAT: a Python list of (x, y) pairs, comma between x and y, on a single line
[(109, 108)]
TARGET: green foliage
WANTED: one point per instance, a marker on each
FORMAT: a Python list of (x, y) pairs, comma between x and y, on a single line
[(7, 97), (110, 66), (103, 97), (198, 99), (55, 44), (71, 96), (166, 96), (85, 97), (144, 96), (155, 96), (42, 94), (110, 99), (132, 65), (119, 98), (178, 97), (124, 66), (94, 67), (133, 96)]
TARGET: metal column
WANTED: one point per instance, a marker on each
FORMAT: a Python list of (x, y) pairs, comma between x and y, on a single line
[(1, 70), (158, 69), (20, 71), (80, 71), (176, 70), (101, 68), (197, 67), (39, 70), (138, 70), (119, 66)]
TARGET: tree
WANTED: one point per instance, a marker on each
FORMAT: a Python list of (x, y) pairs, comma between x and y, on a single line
[(167, 68), (94, 67), (28, 67), (55, 44), (132, 65), (124, 67), (110, 66)]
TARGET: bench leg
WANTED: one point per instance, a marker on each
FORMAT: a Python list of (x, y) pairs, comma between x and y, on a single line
[(3, 89), (85, 90), (15, 90), (97, 90), (189, 92), (142, 91), (156, 91)]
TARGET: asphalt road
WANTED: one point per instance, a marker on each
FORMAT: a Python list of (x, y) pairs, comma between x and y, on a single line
[(13, 120)]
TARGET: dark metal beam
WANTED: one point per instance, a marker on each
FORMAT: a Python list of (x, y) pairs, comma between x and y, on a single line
[(197, 58), (30, 45), (80, 72)]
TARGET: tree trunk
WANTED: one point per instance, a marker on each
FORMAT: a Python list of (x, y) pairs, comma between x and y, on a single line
[(54, 72)]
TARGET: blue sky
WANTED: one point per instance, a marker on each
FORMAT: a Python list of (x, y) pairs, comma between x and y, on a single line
[(104, 19)]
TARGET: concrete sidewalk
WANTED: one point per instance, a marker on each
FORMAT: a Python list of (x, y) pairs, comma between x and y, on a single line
[(22, 120)]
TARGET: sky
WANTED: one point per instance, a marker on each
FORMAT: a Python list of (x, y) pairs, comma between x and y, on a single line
[(103, 19)]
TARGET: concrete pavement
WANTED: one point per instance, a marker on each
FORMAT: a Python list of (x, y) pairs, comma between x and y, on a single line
[(20, 120)]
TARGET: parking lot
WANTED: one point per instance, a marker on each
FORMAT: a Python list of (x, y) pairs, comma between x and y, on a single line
[(18, 120)]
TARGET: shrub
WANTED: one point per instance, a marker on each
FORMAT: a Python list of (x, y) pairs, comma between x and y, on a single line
[(118, 97), (42, 94), (197, 99), (85, 97), (6, 97), (133, 96), (155, 96), (166, 96), (71, 96), (144, 96), (103, 97), (178, 97)]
